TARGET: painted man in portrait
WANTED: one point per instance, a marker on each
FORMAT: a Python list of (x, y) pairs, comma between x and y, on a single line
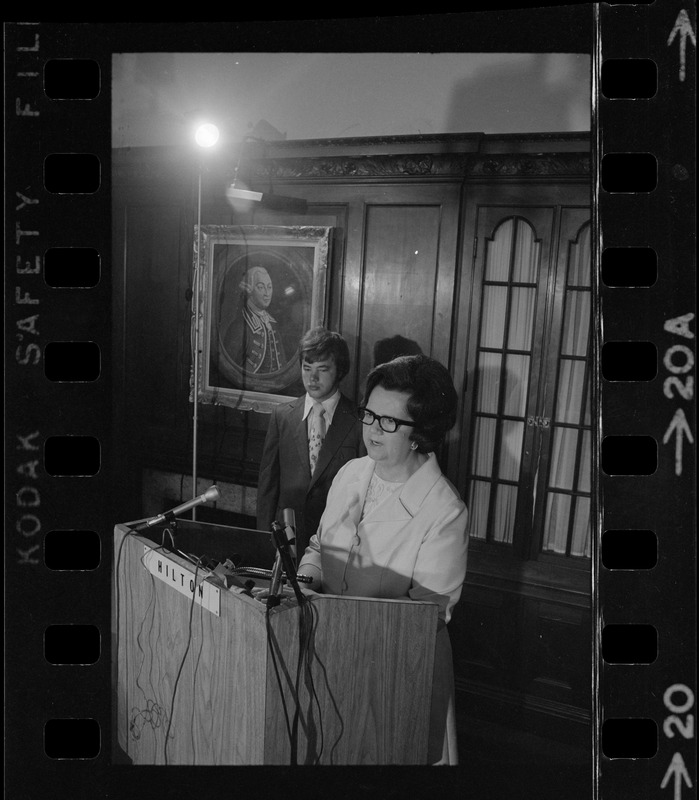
[(257, 345)]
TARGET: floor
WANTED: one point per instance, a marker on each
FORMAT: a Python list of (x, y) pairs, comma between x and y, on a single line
[(497, 762)]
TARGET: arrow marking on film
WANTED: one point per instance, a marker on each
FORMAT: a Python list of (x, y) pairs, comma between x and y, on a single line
[(683, 28), (678, 769), (679, 426)]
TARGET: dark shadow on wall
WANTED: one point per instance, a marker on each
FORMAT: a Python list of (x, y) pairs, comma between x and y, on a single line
[(383, 350), (393, 347)]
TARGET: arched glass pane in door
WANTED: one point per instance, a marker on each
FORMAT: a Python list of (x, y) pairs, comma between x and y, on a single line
[(567, 528), (505, 342)]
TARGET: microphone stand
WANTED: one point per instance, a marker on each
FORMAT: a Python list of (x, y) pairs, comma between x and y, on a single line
[(275, 581), (285, 560)]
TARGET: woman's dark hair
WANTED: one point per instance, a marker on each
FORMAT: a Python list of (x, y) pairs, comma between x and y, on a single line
[(432, 398), (319, 344)]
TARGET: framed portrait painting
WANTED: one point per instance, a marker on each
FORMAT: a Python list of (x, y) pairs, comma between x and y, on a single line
[(260, 289)]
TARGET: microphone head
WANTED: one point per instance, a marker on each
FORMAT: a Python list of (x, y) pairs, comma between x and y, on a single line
[(211, 494), (290, 528)]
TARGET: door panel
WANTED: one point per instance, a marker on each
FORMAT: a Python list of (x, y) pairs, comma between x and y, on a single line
[(404, 283), (513, 248), (400, 273), (565, 471)]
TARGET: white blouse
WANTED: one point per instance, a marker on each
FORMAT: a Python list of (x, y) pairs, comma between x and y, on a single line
[(379, 489)]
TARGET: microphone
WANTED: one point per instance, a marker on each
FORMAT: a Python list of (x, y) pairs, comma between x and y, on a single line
[(284, 551), (210, 495), (289, 518), (275, 581)]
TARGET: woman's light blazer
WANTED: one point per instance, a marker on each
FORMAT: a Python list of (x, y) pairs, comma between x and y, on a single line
[(412, 545)]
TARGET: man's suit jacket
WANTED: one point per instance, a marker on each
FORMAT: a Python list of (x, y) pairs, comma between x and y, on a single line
[(285, 473)]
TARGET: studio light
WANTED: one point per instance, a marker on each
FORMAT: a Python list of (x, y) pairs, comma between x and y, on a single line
[(241, 198), (275, 202), (206, 135), (242, 194)]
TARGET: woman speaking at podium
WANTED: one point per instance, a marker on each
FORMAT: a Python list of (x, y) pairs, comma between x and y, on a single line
[(393, 525)]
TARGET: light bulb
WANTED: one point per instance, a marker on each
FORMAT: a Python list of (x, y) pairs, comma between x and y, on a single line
[(206, 135)]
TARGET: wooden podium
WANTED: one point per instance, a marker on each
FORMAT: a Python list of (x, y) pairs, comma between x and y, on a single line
[(214, 677)]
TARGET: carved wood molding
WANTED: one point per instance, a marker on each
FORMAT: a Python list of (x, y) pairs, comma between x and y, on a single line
[(423, 165), (551, 165), (157, 167)]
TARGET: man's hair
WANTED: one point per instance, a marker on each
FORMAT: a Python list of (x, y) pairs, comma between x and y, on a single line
[(319, 343)]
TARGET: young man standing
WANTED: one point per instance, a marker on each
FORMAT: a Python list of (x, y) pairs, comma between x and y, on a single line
[(309, 439)]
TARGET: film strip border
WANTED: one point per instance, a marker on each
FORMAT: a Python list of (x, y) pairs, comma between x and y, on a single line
[(58, 397), (58, 341), (647, 570)]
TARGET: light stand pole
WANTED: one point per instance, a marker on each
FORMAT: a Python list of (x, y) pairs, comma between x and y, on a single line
[(195, 379), (205, 136)]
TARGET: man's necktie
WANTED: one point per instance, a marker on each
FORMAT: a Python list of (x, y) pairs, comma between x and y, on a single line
[(317, 434)]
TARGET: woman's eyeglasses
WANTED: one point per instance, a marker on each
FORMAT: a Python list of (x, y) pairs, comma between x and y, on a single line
[(387, 424)]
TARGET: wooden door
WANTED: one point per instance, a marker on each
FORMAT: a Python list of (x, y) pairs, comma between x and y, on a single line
[(524, 461)]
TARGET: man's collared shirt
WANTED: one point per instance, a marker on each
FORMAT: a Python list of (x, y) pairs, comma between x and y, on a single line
[(329, 405)]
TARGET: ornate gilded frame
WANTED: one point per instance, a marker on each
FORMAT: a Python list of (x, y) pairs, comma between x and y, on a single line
[(248, 355)]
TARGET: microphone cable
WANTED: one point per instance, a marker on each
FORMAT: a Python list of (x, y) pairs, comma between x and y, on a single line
[(303, 666), (308, 623), (149, 613), (153, 714), (301, 657), (117, 621), (153, 711), (194, 683), (314, 657), (271, 642), (181, 667)]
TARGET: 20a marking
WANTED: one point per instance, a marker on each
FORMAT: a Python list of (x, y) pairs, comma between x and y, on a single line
[(679, 360)]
